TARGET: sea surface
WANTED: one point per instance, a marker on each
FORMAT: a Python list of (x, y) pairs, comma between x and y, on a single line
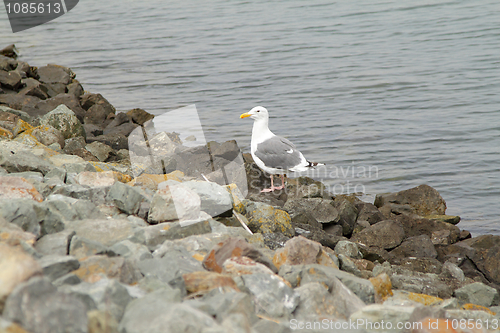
[(389, 94)]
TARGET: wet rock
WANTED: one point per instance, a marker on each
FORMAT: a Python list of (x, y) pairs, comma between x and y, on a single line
[(160, 312), (18, 188), (55, 266), (385, 234), (69, 101), (273, 298), (477, 293), (16, 266), (40, 308), (55, 74), (108, 295), (422, 200), (230, 248), (139, 116), (215, 199), (126, 198), (264, 218), (299, 251), (202, 281), (64, 120), (418, 246), (10, 80), (174, 202)]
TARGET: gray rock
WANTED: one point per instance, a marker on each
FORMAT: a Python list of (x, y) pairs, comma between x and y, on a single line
[(104, 231), (215, 199), (348, 214), (19, 161), (174, 202), (369, 212), (346, 264), (125, 197), (97, 195), (11, 80), (477, 293), (74, 143), (160, 312), (65, 120), (385, 234), (418, 246), (56, 174), (423, 283), (55, 74), (55, 266), (265, 325), (100, 150), (56, 244), (272, 297), (265, 218), (71, 209), (376, 313), (128, 249), (452, 270), (223, 304), (419, 264), (22, 213), (475, 316), (81, 247), (348, 249), (107, 294), (155, 235), (67, 279), (48, 135), (40, 308)]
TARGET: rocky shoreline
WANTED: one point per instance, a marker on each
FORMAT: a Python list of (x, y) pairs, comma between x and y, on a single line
[(92, 242)]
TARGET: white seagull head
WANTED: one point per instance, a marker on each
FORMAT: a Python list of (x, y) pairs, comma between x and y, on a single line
[(257, 113)]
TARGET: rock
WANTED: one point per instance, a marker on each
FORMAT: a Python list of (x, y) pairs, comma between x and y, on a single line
[(422, 200), (383, 287), (215, 199), (368, 317), (16, 266), (130, 250), (18, 188), (478, 293), (40, 308), (10, 80), (58, 99), (10, 51), (56, 244), (348, 214), (153, 236), (420, 264), (202, 281), (445, 218), (222, 304), (20, 161), (64, 119), (100, 150), (418, 246), (369, 212), (273, 298), (449, 269), (108, 295), (92, 130), (348, 265), (315, 299), (97, 115), (155, 313), (117, 142), (319, 209), (34, 88), (174, 202), (75, 88), (55, 266), (12, 234), (237, 266), (139, 116), (264, 218), (104, 231), (423, 283), (300, 251), (81, 247), (385, 234), (48, 135), (93, 268), (419, 226), (22, 213), (126, 198), (348, 249), (234, 247), (55, 74), (87, 100), (101, 322)]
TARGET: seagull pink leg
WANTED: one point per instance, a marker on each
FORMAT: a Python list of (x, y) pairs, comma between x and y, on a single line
[(269, 189), (282, 183)]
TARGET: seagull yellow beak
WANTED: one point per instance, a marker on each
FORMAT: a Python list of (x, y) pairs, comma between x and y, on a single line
[(245, 115)]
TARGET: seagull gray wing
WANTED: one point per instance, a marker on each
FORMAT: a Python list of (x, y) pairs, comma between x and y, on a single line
[(279, 153)]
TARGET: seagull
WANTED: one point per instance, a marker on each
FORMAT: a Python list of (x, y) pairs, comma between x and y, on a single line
[(274, 154)]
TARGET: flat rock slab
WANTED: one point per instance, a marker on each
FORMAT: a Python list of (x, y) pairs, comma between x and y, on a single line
[(18, 187), (385, 234), (104, 231), (55, 266)]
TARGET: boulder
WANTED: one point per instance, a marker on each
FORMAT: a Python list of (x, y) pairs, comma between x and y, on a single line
[(202, 281), (100, 150), (348, 214), (10, 79), (104, 231), (477, 293), (55, 266), (319, 209), (40, 308), (55, 74), (302, 251), (419, 226), (48, 135), (88, 100), (174, 202), (348, 249), (418, 246), (64, 119), (139, 116), (422, 200), (94, 268), (369, 212), (386, 234), (18, 188), (68, 100), (215, 199), (125, 197), (265, 218)]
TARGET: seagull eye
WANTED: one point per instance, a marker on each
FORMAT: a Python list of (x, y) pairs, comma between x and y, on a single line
[(258, 110)]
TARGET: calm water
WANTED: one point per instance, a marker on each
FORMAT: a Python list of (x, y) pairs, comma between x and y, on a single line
[(409, 89)]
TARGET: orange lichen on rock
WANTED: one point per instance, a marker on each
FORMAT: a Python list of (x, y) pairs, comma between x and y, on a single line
[(203, 281), (151, 181), (475, 307), (383, 287), (302, 251), (18, 187), (424, 299), (6, 133)]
